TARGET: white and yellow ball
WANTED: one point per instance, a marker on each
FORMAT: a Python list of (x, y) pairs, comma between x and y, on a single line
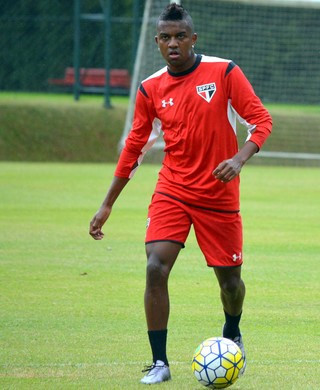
[(217, 363)]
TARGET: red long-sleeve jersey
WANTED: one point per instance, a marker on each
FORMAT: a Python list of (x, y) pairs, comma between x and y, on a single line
[(197, 111)]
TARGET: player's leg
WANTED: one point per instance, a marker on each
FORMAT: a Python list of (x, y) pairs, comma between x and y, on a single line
[(232, 293), (161, 258), (220, 238), (167, 229)]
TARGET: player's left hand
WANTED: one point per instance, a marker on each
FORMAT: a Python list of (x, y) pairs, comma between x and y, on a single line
[(227, 170)]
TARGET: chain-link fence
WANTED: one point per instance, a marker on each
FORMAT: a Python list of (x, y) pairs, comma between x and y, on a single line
[(278, 47), (37, 39)]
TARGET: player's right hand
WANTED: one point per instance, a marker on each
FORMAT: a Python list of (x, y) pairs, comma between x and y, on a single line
[(95, 232), (97, 222)]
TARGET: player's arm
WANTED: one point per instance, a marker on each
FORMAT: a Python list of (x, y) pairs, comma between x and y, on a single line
[(127, 164), (105, 209), (253, 114), (229, 169), (248, 107)]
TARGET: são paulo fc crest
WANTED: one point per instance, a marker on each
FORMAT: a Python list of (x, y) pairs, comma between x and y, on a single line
[(207, 91)]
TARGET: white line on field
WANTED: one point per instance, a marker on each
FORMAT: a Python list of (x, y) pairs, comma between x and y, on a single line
[(106, 364)]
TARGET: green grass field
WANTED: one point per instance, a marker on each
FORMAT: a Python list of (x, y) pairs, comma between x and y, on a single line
[(71, 308)]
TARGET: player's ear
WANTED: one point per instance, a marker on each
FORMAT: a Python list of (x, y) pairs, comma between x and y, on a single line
[(194, 38), (156, 39)]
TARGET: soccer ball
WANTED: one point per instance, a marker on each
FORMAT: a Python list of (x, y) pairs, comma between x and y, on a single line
[(217, 362)]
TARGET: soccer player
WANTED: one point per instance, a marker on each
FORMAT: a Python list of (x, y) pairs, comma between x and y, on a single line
[(195, 101)]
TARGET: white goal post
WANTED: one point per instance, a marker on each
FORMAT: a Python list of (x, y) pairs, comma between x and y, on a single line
[(274, 41)]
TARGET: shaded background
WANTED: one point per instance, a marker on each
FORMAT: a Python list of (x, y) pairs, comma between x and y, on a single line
[(277, 47)]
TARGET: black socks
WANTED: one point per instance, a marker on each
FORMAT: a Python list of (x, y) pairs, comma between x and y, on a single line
[(158, 338), (158, 343), (231, 327)]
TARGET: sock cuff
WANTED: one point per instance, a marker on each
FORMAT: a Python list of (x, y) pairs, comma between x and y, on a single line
[(160, 331), (228, 316)]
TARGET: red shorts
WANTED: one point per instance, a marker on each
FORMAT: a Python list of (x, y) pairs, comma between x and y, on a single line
[(219, 234)]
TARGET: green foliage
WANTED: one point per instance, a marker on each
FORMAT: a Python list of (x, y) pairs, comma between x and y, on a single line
[(72, 308), (53, 127), (56, 128)]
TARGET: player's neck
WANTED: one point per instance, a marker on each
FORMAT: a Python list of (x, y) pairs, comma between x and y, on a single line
[(188, 64)]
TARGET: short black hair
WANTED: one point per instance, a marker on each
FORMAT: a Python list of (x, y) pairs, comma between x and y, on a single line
[(174, 12)]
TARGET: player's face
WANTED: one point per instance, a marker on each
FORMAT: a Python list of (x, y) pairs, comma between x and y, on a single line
[(175, 40)]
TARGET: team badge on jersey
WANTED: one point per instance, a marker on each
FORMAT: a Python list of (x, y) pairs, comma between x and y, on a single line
[(207, 91)]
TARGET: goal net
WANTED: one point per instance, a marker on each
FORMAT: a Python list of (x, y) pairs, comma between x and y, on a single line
[(276, 43)]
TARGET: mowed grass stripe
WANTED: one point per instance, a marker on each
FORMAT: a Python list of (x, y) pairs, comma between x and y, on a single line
[(71, 308)]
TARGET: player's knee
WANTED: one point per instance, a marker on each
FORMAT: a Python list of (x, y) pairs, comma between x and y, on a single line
[(157, 270), (231, 286)]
